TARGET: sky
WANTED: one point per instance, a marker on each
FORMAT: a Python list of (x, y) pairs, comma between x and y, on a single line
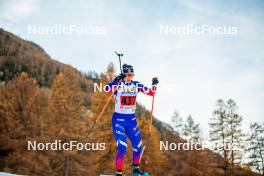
[(194, 69)]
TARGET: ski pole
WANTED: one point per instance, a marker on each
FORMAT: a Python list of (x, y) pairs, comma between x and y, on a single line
[(151, 114), (109, 99), (150, 128), (100, 114)]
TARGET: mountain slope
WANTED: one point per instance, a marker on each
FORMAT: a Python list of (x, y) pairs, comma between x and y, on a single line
[(35, 95)]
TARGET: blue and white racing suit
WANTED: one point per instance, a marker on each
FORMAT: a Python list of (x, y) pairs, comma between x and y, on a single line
[(124, 122)]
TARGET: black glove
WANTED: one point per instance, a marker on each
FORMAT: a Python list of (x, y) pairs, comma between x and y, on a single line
[(120, 77), (155, 81)]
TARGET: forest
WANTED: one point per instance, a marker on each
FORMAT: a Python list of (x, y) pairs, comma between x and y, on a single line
[(42, 99)]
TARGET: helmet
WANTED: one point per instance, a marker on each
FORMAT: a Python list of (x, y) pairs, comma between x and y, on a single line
[(127, 68)]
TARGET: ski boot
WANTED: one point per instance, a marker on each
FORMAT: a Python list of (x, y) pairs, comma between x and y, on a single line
[(136, 172)]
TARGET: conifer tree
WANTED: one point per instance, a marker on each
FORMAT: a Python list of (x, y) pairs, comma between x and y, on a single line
[(256, 147), (177, 123), (219, 131), (191, 130)]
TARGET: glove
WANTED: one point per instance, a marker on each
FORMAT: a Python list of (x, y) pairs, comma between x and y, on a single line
[(120, 77), (155, 81)]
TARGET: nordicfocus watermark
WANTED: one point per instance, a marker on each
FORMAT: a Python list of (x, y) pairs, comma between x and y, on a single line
[(122, 88), (59, 145), (59, 29), (171, 146), (191, 29)]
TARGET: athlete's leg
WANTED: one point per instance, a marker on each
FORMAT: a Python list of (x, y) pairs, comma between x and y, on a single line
[(118, 127), (133, 134)]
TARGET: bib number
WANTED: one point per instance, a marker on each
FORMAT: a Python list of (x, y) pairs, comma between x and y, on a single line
[(128, 100)]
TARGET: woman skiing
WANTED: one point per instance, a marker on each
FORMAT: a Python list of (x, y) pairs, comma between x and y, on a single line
[(124, 122)]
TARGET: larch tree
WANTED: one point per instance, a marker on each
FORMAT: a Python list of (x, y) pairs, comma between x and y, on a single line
[(65, 122), (192, 133), (236, 137), (191, 130), (177, 123), (219, 132), (102, 133), (20, 120), (226, 134), (256, 147)]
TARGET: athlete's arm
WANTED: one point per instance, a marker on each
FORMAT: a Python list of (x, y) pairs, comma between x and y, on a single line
[(112, 87), (148, 91)]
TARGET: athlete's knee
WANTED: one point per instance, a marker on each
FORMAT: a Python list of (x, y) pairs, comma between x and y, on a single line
[(138, 147), (121, 146)]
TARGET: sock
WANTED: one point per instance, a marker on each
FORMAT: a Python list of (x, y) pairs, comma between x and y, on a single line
[(118, 172)]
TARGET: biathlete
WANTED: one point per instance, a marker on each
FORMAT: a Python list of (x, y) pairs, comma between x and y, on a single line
[(124, 122)]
